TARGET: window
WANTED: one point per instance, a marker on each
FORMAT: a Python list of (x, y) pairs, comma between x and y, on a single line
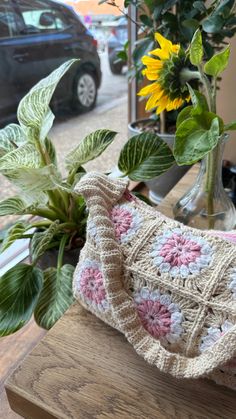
[(7, 22), (41, 18)]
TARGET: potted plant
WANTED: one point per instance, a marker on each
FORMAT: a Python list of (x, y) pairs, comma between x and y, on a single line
[(201, 132), (176, 20), (57, 227)]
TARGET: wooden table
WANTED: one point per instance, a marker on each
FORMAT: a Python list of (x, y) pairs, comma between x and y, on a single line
[(84, 369)]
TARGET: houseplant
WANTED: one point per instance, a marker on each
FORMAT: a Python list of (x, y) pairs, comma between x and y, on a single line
[(177, 20), (200, 131), (28, 160)]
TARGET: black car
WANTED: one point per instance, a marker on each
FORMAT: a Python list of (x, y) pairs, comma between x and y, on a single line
[(116, 41), (36, 36)]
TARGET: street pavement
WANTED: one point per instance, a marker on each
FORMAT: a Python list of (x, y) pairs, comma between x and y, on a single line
[(111, 113)]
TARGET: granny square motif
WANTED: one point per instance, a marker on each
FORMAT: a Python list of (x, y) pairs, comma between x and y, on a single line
[(170, 289)]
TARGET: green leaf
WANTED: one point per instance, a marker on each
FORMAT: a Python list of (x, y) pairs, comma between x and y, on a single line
[(196, 49), (35, 181), (33, 110), (14, 233), (41, 240), (145, 156), (231, 126), (193, 141), (89, 148), (198, 100), (19, 291), (51, 150), (47, 124), (24, 157), (184, 114), (200, 6), (11, 137), (11, 206), (218, 63), (56, 296), (213, 24)]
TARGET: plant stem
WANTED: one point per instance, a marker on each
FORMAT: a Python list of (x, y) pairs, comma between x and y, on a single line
[(61, 251)]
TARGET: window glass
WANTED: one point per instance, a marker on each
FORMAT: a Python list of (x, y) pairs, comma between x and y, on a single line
[(7, 22), (41, 18)]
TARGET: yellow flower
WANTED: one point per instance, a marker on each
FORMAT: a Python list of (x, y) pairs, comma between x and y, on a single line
[(164, 68)]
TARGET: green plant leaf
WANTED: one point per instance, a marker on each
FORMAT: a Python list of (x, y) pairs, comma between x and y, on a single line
[(51, 150), (41, 240), (19, 291), (47, 124), (14, 233), (11, 137), (24, 157), (184, 114), (145, 156), (14, 205), (231, 126), (56, 296), (196, 49), (89, 148), (193, 141), (198, 100), (218, 63), (33, 110)]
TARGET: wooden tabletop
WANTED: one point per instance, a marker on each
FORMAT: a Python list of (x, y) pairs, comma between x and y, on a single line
[(84, 369)]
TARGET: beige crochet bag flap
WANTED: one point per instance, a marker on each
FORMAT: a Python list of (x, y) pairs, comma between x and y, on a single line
[(170, 289)]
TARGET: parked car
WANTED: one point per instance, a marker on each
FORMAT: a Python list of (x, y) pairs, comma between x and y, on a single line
[(116, 41), (36, 36)]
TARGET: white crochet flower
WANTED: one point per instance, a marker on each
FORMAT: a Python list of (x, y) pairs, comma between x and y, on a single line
[(127, 221), (214, 334)]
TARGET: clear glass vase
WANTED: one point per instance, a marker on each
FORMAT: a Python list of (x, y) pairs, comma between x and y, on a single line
[(206, 204)]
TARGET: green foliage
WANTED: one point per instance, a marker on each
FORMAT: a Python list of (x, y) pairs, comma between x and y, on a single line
[(144, 157), (56, 296), (19, 291), (196, 49), (217, 64)]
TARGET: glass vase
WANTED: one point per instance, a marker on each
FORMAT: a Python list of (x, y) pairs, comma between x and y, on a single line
[(206, 205)]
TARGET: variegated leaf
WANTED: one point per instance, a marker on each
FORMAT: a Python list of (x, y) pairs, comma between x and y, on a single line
[(19, 291), (144, 157), (14, 233), (11, 137), (33, 110), (34, 181), (41, 240), (24, 157), (89, 148), (14, 205), (56, 296)]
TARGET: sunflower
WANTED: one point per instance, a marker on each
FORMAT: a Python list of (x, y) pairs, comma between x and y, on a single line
[(168, 90)]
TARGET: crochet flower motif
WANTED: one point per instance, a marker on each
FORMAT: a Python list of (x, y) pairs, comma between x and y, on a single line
[(158, 315), (214, 334), (90, 285), (181, 253), (127, 222), (232, 283)]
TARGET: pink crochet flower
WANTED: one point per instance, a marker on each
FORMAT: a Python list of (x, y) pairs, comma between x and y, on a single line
[(155, 317), (158, 315), (126, 222), (180, 253), (90, 284), (179, 250)]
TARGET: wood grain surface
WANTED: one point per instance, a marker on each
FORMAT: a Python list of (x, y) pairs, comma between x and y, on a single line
[(83, 369)]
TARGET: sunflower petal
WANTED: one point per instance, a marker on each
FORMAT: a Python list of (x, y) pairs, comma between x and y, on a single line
[(162, 54), (147, 90), (152, 62), (162, 104), (153, 100)]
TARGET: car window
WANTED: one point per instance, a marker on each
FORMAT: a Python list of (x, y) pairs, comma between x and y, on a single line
[(41, 18), (8, 22)]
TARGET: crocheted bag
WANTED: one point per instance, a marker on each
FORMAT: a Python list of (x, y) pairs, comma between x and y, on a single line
[(170, 289)]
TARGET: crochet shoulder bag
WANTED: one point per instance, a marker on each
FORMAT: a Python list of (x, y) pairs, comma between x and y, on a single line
[(170, 289)]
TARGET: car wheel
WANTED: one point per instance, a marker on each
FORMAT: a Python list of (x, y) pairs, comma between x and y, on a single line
[(85, 91), (116, 68)]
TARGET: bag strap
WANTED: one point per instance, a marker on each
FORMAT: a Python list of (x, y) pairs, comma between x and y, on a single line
[(101, 193)]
